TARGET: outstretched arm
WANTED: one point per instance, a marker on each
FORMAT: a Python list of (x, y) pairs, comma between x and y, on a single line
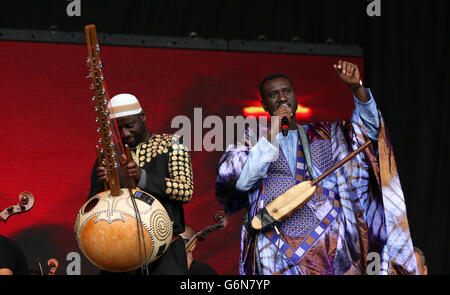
[(365, 106)]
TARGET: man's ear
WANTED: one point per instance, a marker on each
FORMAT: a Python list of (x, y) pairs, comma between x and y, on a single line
[(425, 270), (143, 116)]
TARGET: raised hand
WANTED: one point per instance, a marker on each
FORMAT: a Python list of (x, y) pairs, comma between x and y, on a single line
[(348, 72)]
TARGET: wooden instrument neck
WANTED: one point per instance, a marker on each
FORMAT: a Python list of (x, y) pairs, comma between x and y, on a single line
[(109, 155)]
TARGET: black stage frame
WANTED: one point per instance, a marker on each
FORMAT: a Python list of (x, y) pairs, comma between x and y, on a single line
[(260, 46)]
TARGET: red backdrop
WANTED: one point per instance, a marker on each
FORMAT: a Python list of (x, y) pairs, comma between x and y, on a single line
[(48, 130)]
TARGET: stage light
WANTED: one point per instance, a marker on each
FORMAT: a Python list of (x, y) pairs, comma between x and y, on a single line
[(258, 111), (262, 38), (193, 35), (295, 39), (53, 29)]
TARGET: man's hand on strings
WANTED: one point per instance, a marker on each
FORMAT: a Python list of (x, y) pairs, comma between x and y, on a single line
[(133, 170), (101, 172)]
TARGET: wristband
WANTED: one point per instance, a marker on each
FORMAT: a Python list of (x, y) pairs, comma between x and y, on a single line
[(356, 86)]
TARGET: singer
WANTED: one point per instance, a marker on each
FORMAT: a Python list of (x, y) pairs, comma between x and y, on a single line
[(357, 210)]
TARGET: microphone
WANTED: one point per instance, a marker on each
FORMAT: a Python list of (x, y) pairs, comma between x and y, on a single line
[(284, 124)]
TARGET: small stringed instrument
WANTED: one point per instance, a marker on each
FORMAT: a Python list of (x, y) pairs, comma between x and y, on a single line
[(220, 217), (296, 197), (26, 202)]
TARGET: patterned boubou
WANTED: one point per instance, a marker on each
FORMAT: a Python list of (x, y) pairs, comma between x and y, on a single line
[(168, 167)]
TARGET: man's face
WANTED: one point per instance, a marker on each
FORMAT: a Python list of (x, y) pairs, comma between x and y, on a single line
[(423, 269), (277, 92), (132, 129)]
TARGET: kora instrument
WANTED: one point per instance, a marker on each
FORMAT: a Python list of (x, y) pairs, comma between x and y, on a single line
[(119, 229)]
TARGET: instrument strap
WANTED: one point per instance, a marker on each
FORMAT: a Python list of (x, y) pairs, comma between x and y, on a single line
[(305, 145)]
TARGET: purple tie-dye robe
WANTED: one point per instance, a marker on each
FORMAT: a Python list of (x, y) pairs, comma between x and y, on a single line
[(372, 217)]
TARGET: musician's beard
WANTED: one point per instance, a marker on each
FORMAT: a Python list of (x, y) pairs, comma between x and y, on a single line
[(141, 135), (132, 143)]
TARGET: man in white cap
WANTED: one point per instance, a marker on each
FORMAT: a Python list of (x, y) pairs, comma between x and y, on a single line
[(161, 167)]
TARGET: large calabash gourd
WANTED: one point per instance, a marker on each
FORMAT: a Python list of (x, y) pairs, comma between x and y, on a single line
[(106, 229)]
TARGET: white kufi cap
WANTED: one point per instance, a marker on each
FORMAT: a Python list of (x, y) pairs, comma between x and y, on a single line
[(123, 105)]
